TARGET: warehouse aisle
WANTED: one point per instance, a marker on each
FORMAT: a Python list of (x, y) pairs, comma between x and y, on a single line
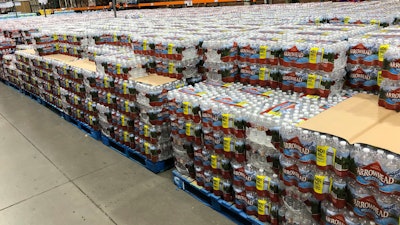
[(52, 173)]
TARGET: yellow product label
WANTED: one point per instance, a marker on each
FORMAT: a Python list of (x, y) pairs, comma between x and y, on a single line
[(57, 46), (55, 37), (312, 96), (65, 48), (48, 86), (263, 52), (186, 108), (261, 207), (225, 120), (345, 29), (325, 33), (146, 131), (366, 36), (216, 181), (125, 88), (126, 136), (76, 100), (126, 106), (319, 184), (314, 55), (78, 113), (67, 83), (260, 182), (241, 104), (91, 120), (75, 74), (346, 20), (227, 85), (214, 161), (382, 51), (274, 113), (90, 107), (77, 87), (123, 120), (75, 51), (58, 91), (115, 37), (188, 129), (105, 81), (170, 48), (40, 73), (325, 155), (201, 93), (65, 70), (146, 148), (374, 22), (261, 74), (311, 80), (109, 98), (317, 21), (94, 54), (171, 67), (144, 45), (179, 86), (379, 78), (267, 93), (118, 68), (227, 144), (74, 39), (65, 37)]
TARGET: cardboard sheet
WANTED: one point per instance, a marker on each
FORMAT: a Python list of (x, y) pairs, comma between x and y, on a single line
[(83, 64), (360, 120), (28, 51), (154, 80), (61, 57)]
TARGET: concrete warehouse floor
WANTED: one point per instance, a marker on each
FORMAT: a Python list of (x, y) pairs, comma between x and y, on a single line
[(51, 173)]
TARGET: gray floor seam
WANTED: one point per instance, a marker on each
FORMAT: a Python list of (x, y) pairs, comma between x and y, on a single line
[(94, 171), (35, 195), (94, 203)]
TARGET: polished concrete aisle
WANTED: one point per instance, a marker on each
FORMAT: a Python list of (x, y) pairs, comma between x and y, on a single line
[(51, 173)]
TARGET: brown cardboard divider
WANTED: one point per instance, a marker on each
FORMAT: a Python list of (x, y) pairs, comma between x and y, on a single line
[(61, 57), (154, 80), (83, 64), (359, 119)]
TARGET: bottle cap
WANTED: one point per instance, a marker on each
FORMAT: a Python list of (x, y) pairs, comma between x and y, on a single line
[(366, 150), (390, 156), (380, 151), (343, 143), (323, 137)]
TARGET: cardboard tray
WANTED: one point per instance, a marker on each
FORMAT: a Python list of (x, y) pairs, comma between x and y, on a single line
[(154, 80), (359, 119)]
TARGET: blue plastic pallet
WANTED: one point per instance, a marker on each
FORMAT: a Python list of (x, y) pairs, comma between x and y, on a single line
[(8, 83), (116, 146), (155, 167), (32, 96), (228, 209), (83, 126)]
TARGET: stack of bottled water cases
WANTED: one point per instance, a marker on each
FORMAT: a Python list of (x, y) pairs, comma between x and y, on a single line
[(227, 137), (23, 68), (7, 46), (116, 94), (73, 42), (131, 112), (8, 72), (153, 126), (300, 58), (389, 93), (366, 58)]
